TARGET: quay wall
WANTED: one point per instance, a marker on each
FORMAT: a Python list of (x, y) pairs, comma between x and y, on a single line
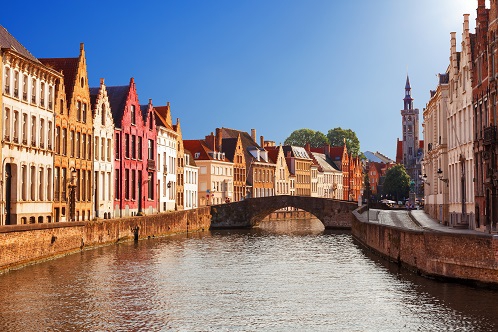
[(25, 244), (465, 258)]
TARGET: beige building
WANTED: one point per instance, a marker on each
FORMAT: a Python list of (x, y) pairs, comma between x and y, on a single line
[(461, 133), (435, 164), (215, 174), (28, 105)]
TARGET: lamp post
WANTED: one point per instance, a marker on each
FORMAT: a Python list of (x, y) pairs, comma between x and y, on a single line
[(72, 195)]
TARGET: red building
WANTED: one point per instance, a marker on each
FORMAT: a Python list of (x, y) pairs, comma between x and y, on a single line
[(134, 153)]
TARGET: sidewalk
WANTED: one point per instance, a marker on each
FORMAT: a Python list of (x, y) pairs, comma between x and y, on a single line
[(427, 223)]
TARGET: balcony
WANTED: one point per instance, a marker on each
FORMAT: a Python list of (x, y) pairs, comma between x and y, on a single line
[(489, 135), (151, 164)]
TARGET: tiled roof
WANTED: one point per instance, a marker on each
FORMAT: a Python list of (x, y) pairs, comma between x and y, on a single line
[(8, 41), (69, 68), (197, 146), (117, 98), (228, 146), (191, 159), (163, 116), (247, 142), (94, 92), (273, 153)]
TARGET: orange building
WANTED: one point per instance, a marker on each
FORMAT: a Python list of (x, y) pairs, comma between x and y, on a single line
[(73, 140)]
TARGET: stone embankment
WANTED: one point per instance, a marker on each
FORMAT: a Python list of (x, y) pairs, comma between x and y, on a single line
[(25, 244), (468, 257)]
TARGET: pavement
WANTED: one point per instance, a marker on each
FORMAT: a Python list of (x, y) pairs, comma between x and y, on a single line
[(411, 219)]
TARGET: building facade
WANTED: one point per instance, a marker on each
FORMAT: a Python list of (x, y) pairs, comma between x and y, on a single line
[(167, 140), (103, 153), (28, 107), (73, 161), (435, 162), (190, 187), (460, 133)]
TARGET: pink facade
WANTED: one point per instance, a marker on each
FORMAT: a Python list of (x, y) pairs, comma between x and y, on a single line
[(135, 152)]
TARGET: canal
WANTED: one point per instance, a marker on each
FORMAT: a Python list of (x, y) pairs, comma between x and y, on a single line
[(283, 276)]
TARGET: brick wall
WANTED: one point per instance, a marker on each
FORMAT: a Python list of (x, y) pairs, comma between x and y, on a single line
[(25, 244), (470, 258)]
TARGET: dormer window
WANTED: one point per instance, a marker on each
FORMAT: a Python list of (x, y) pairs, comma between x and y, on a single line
[(197, 155)]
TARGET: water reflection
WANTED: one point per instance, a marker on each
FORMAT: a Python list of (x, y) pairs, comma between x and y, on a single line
[(287, 276)]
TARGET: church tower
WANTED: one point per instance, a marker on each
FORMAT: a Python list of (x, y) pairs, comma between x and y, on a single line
[(410, 143)]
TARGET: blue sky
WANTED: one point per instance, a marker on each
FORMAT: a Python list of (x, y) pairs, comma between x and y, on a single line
[(272, 65)]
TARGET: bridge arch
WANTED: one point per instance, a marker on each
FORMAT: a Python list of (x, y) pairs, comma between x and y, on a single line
[(248, 213)]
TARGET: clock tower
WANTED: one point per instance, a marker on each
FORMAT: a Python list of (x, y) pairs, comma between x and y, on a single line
[(409, 118)]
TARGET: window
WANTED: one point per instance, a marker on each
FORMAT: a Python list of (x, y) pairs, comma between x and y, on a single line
[(78, 144), (71, 140), (102, 148), (140, 148), (64, 141), (57, 183), (96, 148), (41, 185), (15, 124), (25, 88), (63, 183), (78, 110), (7, 124), (7, 80), (116, 183), (42, 133), (33, 91), (151, 149), (42, 94), (126, 187), (83, 145), (24, 184), (133, 184), (132, 114), (102, 115), (24, 129), (109, 149), (84, 113), (50, 98), (150, 185), (127, 145), (133, 147), (16, 84), (117, 146), (49, 136), (32, 180), (33, 131)]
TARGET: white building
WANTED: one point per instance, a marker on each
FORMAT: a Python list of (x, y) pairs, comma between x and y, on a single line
[(461, 133), (103, 164), (332, 177), (190, 186), (166, 159), (28, 108)]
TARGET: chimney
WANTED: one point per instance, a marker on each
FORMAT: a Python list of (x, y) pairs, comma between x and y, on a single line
[(101, 81), (253, 134), (466, 22), (261, 141), (307, 146), (219, 139), (210, 141)]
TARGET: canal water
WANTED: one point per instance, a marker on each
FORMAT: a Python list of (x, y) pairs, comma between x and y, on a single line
[(284, 276)]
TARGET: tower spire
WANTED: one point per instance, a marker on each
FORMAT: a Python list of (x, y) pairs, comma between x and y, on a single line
[(408, 100)]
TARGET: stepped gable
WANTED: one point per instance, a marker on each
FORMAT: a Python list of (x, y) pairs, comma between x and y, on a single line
[(8, 41)]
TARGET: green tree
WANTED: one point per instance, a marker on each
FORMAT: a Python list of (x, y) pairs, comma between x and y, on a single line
[(337, 136), (396, 183), (300, 137)]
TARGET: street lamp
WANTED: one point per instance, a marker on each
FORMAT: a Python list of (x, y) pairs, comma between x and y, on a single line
[(440, 176), (72, 194)]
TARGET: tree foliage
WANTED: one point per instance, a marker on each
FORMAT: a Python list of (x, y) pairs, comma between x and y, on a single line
[(397, 182), (337, 136), (303, 136)]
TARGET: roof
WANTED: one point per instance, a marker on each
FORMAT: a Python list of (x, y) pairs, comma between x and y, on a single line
[(197, 146), (117, 99), (9, 42), (247, 144), (163, 116), (191, 161), (399, 152), (228, 146), (296, 151), (324, 162), (94, 93), (69, 68), (273, 153)]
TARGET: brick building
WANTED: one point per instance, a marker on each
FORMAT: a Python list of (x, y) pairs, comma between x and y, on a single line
[(73, 161)]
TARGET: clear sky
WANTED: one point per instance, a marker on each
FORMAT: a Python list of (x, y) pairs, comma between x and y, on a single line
[(272, 65)]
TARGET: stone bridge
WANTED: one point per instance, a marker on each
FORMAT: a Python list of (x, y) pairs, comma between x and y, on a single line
[(249, 212)]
